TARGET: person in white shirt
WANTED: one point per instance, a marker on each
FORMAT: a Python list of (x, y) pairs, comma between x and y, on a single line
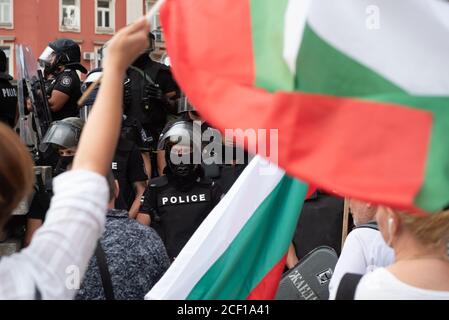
[(364, 249), (60, 251), (421, 268)]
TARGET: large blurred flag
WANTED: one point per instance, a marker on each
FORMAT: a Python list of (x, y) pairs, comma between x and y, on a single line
[(359, 89), (240, 249)]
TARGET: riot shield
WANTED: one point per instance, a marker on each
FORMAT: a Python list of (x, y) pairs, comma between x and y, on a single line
[(32, 90), (27, 134)]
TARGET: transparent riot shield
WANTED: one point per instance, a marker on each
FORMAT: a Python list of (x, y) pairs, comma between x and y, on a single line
[(32, 92), (25, 122)]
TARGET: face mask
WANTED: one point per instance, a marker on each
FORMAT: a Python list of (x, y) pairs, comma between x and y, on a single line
[(65, 162), (183, 170)]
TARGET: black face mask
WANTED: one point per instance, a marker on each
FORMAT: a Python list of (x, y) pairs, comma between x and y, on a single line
[(182, 170), (63, 164)]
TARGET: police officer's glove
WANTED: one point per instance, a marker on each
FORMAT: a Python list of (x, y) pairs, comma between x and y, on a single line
[(49, 85), (153, 91)]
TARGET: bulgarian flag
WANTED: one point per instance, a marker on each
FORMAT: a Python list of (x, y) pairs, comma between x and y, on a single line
[(359, 89), (239, 251)]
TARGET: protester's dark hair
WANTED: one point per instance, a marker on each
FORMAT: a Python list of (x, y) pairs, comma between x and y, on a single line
[(16, 172), (112, 187)]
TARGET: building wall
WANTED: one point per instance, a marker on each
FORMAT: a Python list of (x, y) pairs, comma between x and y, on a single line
[(37, 22)]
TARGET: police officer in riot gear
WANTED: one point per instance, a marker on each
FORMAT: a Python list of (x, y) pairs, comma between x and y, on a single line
[(60, 61), (154, 95), (8, 95), (63, 136), (229, 162), (176, 204), (127, 166)]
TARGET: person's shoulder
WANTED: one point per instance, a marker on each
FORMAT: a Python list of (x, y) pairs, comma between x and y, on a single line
[(67, 77), (162, 66), (159, 182), (5, 83), (144, 236), (366, 235), (69, 73), (372, 284)]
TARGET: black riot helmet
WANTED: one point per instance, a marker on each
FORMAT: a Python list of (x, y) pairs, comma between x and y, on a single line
[(184, 105), (3, 66), (61, 52), (63, 134), (186, 109), (182, 149)]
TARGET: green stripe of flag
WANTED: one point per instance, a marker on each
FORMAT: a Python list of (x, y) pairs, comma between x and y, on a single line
[(271, 227), (267, 20), (323, 69)]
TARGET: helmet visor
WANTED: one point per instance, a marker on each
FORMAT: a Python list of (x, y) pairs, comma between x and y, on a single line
[(184, 105), (47, 57), (91, 78), (179, 134), (61, 134)]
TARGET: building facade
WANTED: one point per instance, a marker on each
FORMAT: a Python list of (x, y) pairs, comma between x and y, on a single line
[(90, 23)]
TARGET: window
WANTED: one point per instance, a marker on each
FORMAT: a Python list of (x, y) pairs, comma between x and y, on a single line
[(70, 15), (9, 60), (156, 27), (98, 57), (105, 16), (6, 13)]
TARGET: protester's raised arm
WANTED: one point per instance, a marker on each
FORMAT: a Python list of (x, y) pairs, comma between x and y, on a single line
[(99, 138)]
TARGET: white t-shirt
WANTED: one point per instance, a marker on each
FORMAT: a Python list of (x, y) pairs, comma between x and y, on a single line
[(364, 251), (383, 285)]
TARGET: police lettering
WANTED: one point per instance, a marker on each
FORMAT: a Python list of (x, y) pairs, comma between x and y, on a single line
[(183, 199), (114, 166), (9, 92)]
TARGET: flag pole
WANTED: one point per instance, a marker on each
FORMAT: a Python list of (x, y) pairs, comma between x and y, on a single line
[(154, 10), (149, 16), (344, 231)]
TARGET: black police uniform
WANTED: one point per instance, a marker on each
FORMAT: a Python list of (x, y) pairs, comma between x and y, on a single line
[(8, 102), (229, 175), (177, 211), (42, 197), (133, 131), (69, 83), (40, 205), (322, 212), (128, 168), (152, 113)]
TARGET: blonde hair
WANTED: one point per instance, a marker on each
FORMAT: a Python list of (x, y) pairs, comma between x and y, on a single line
[(430, 230), (16, 172)]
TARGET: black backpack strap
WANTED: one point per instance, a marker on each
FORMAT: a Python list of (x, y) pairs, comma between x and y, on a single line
[(104, 272), (143, 74), (153, 71), (348, 285)]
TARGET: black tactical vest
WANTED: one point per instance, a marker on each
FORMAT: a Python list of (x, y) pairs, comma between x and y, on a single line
[(8, 103), (120, 170), (180, 212)]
